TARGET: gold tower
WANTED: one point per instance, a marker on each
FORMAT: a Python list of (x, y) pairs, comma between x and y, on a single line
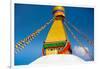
[(57, 40)]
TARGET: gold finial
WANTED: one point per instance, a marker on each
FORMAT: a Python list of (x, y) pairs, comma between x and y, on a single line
[(58, 8)]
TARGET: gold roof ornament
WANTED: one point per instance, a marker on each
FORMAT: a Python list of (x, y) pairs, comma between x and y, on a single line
[(58, 8)]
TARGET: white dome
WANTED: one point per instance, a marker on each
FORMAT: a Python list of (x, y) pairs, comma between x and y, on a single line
[(58, 59), (50, 60)]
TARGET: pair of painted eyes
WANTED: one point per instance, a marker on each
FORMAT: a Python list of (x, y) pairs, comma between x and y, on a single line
[(56, 48)]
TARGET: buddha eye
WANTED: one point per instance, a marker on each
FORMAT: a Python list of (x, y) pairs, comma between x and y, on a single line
[(51, 49)]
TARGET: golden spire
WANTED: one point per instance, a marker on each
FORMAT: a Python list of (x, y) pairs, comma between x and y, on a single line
[(58, 8)]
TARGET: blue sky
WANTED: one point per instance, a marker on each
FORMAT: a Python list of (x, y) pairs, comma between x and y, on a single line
[(30, 17)]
